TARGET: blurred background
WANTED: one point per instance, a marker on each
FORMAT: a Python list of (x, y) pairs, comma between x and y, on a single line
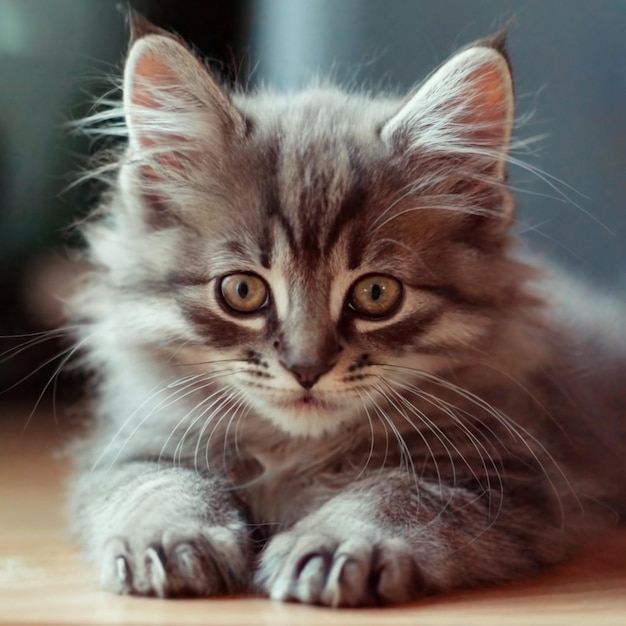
[(56, 55)]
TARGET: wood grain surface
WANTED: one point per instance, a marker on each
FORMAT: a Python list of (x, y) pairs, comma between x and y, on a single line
[(43, 579)]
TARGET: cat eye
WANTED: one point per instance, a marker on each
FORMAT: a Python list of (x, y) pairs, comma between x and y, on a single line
[(244, 293), (375, 295)]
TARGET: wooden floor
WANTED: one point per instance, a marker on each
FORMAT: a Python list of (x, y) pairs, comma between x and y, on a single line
[(44, 581)]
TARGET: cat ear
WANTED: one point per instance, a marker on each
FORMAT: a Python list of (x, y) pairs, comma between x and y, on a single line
[(464, 108), (169, 96), (177, 114)]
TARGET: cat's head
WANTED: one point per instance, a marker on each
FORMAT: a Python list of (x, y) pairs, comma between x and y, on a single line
[(310, 250)]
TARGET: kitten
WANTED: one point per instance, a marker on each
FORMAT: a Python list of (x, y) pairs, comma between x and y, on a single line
[(322, 372)]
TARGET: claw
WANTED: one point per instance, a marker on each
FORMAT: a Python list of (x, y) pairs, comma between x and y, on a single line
[(122, 570), (320, 569), (333, 587), (310, 581), (155, 563)]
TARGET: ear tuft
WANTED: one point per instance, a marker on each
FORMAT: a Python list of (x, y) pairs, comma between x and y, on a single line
[(497, 40), (141, 27), (138, 25)]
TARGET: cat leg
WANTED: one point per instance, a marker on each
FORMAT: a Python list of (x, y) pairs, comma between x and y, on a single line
[(387, 540), (162, 531)]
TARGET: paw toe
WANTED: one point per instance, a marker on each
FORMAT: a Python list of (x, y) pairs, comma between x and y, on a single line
[(172, 566), (317, 569), (156, 575), (396, 577), (347, 581), (309, 582), (116, 573)]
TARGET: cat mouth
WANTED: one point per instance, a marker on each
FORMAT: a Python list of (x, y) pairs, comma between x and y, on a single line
[(308, 413), (308, 401)]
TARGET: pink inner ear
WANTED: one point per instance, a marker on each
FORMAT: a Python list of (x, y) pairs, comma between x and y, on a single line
[(488, 110), (150, 74), (490, 87)]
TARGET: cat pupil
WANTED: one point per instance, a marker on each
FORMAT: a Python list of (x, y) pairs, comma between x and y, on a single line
[(377, 292), (243, 290)]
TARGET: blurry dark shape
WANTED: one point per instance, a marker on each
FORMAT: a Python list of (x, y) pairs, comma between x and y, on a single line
[(216, 29), (56, 58)]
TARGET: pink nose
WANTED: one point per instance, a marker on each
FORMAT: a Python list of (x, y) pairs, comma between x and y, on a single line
[(308, 375)]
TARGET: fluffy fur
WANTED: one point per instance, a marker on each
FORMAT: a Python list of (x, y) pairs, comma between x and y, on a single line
[(309, 447)]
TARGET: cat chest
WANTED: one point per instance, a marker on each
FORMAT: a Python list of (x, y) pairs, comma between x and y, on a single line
[(278, 493)]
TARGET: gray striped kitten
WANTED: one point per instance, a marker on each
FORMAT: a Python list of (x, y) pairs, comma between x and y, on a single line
[(322, 373)]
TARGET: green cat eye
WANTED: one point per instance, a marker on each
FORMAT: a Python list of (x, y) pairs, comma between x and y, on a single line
[(375, 295), (244, 293)]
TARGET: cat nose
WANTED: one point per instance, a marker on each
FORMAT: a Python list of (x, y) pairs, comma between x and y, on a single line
[(310, 355), (308, 375)]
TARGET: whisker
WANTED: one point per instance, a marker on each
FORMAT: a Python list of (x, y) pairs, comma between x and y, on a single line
[(181, 364), (37, 339), (155, 392), (449, 410), (66, 355), (222, 402), (240, 418), (234, 410), (41, 333), (41, 366), (405, 454), (202, 384), (415, 428), (372, 440), (518, 432), (196, 387)]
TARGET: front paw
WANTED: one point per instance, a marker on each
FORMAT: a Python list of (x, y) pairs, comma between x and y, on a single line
[(210, 561), (320, 568)]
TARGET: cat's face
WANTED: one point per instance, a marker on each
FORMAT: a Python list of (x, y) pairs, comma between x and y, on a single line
[(319, 247), (323, 285)]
